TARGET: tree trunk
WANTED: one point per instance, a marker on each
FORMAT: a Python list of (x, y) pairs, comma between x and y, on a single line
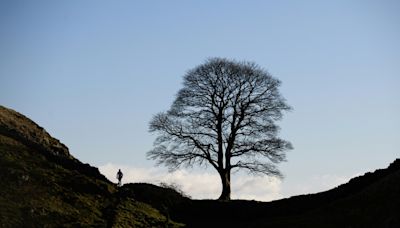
[(226, 185)]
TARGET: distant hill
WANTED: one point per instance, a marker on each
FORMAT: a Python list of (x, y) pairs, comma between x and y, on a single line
[(43, 185)]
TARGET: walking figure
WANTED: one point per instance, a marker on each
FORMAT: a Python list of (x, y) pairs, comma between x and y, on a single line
[(119, 177)]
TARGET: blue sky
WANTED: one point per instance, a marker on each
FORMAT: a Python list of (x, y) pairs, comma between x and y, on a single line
[(93, 73)]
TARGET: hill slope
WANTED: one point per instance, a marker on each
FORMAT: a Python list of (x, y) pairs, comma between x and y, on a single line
[(44, 185), (371, 200)]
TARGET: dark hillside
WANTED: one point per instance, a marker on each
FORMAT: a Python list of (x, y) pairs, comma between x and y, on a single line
[(43, 185), (375, 205), (36, 191), (366, 201), (370, 200)]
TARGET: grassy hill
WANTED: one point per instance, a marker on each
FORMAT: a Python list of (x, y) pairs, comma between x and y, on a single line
[(43, 185)]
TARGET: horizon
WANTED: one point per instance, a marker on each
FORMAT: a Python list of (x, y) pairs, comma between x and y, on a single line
[(94, 73)]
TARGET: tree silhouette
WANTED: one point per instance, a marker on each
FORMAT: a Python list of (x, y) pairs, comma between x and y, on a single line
[(224, 116)]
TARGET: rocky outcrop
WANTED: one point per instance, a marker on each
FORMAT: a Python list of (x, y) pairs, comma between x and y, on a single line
[(21, 128)]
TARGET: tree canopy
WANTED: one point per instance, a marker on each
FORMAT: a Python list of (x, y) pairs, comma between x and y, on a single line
[(224, 116)]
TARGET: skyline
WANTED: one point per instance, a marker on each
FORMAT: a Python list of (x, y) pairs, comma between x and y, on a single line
[(94, 73)]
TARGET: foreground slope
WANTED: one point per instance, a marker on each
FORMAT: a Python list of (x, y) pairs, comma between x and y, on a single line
[(43, 185)]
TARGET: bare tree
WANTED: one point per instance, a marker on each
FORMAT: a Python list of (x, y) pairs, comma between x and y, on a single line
[(224, 116)]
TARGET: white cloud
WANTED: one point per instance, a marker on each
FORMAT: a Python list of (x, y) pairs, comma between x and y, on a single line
[(258, 188), (200, 185)]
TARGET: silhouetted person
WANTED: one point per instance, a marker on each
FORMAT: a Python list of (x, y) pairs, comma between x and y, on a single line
[(119, 177)]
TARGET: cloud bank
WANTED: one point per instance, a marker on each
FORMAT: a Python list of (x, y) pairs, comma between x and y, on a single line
[(200, 184)]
